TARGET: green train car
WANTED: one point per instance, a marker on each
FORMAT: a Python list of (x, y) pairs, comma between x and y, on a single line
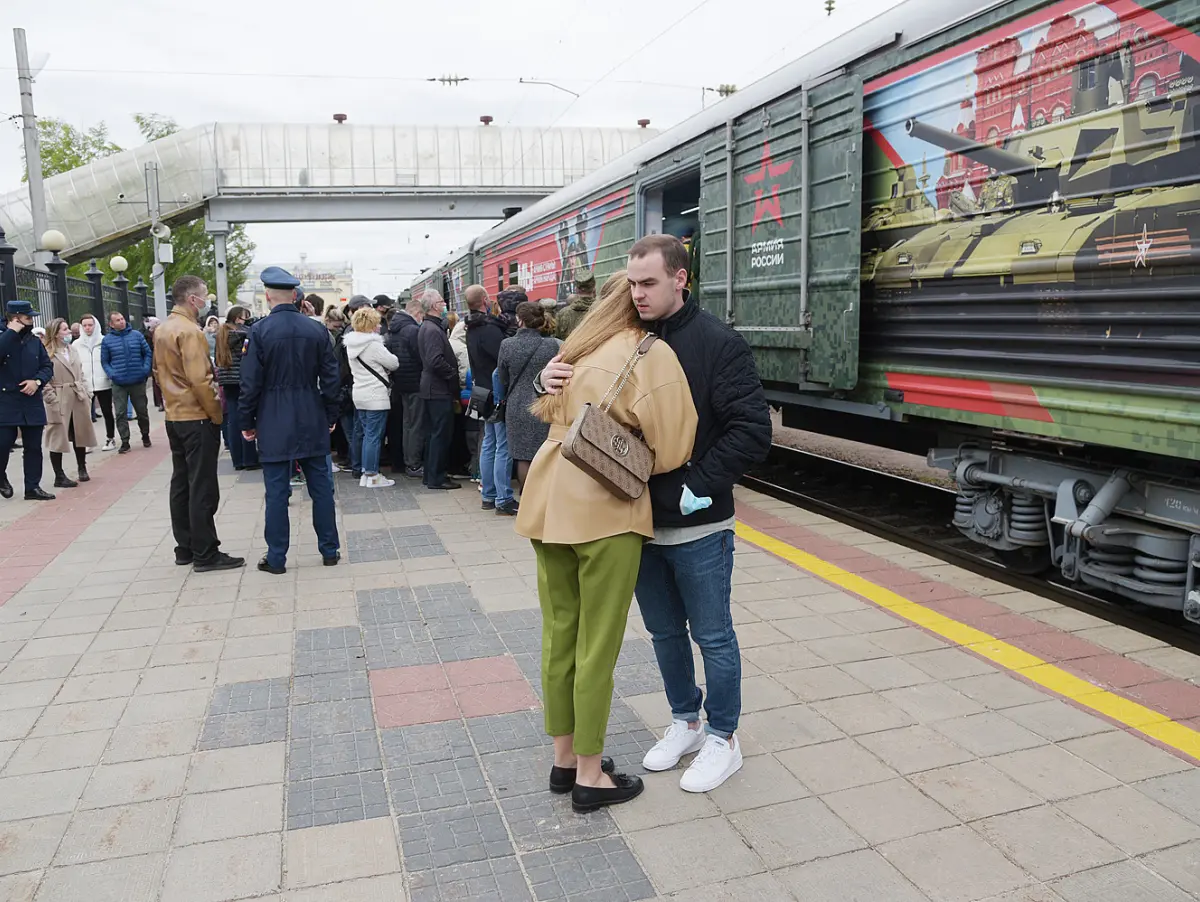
[(969, 234)]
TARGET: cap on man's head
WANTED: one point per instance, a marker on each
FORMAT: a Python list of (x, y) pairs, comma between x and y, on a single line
[(381, 300), (278, 277), (359, 300), (23, 308), (585, 279)]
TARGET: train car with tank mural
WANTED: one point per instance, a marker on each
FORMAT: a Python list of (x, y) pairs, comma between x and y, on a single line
[(970, 234)]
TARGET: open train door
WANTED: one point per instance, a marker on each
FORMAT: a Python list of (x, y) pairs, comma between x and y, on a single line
[(790, 282)]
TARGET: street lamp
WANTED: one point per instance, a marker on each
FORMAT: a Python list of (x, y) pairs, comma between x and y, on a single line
[(118, 264), (53, 240)]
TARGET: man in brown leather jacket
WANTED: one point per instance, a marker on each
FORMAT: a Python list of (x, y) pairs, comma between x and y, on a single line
[(184, 373)]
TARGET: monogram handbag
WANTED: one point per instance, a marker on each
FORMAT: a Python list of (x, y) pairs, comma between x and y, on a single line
[(614, 456)]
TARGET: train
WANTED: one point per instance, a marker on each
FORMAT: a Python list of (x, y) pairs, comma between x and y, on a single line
[(969, 231)]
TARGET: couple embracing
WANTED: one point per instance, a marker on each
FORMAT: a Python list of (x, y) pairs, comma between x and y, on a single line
[(677, 380)]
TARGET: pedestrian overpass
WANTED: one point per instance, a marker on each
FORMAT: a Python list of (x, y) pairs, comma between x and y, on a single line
[(243, 173)]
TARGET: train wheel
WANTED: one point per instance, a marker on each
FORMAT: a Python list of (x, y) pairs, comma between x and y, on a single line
[(1026, 561)]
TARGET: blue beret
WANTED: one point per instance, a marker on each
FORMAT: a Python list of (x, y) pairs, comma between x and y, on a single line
[(277, 277), (15, 307)]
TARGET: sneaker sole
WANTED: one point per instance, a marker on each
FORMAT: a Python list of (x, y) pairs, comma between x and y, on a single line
[(712, 784), (674, 763)]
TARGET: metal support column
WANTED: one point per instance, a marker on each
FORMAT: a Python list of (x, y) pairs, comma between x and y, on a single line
[(159, 273), (33, 149), (219, 230), (96, 279)]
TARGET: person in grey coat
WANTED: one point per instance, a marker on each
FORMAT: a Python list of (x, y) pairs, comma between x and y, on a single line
[(521, 358)]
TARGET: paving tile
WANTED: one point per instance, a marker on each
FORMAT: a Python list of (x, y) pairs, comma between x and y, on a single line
[(55, 667), (542, 820), (1180, 865), (1129, 820), (20, 887), (30, 844), (520, 771), (328, 687), (863, 876), (885, 673), (133, 879), (835, 766), (228, 813), (674, 855), (1179, 792), (974, 790), (761, 781), (445, 783), (858, 714), (932, 701), (148, 709), (913, 749), (1057, 720), (154, 740), (1052, 772), (328, 718), (403, 680), (883, 812), (233, 768), (1047, 843), (35, 756), (1034, 892), (178, 677), (266, 667), (425, 744), (954, 865), (135, 781), (998, 690), (840, 649), (118, 832), (780, 658), (663, 803), (334, 650), (342, 799), (416, 708), (38, 795), (388, 888), (329, 854), (819, 683), (988, 734), (37, 693), (398, 645), (219, 871), (950, 664), (794, 832), (453, 836), (186, 653), (333, 755), (787, 728), (250, 728), (498, 880), (496, 698), (258, 695), (603, 870), (507, 732), (1126, 881)]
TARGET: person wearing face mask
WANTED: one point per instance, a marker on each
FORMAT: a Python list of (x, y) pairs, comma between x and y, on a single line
[(68, 401), (24, 369), (194, 417), (87, 347)]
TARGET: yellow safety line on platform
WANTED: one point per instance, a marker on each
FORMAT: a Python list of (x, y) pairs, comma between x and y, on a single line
[(1145, 720)]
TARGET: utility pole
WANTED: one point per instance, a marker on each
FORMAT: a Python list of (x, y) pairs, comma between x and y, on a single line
[(158, 273), (33, 149)]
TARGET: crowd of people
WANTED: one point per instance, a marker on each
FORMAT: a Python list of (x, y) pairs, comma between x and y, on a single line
[(614, 432)]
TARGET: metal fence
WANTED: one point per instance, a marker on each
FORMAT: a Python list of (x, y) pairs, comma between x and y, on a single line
[(37, 287), (79, 299)]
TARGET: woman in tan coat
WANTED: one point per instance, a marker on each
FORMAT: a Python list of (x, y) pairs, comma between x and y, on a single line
[(68, 407), (589, 542)]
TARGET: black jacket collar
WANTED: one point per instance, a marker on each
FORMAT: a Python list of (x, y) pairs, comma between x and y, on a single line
[(678, 319)]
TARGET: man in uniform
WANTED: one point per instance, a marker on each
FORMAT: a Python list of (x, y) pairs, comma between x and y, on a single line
[(578, 304), (24, 368), (289, 405)]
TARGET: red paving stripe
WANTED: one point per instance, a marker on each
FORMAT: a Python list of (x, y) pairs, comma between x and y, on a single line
[(434, 693), (1123, 677), (36, 538)]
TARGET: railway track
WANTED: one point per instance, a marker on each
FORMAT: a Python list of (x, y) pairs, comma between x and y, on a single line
[(918, 514)]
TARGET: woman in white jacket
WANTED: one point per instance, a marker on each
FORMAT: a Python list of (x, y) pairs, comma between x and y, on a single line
[(370, 364), (87, 348)]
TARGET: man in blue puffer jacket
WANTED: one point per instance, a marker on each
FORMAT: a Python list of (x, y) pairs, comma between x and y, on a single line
[(125, 357)]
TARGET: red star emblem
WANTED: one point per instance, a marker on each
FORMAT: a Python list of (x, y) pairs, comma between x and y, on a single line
[(763, 205)]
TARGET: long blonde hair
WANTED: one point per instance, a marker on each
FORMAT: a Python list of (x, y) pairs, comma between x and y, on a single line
[(50, 340), (612, 313)]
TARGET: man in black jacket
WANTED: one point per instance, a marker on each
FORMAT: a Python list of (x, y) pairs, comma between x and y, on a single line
[(484, 334), (439, 390), (406, 425), (687, 569)]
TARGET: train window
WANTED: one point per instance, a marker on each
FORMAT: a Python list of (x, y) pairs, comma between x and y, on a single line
[(673, 207), (500, 277), (512, 272)]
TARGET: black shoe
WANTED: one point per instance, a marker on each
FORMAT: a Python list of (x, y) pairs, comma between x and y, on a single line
[(265, 566), (38, 495), (562, 779), (448, 484), (415, 472), (489, 505), (63, 482), (183, 560), (356, 474), (252, 467), (508, 509), (83, 475), (332, 561), (124, 449), (220, 561), (6, 489), (592, 798), (145, 441)]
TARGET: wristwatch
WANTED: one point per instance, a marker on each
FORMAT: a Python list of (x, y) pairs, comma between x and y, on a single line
[(39, 382)]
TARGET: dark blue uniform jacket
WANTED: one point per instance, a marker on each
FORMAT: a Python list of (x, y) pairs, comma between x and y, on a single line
[(290, 386), (22, 356)]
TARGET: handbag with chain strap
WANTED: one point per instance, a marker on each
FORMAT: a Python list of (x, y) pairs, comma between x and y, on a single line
[(614, 456)]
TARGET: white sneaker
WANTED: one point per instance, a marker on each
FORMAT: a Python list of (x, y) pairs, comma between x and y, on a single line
[(362, 481), (110, 445), (678, 741), (378, 481), (718, 761)]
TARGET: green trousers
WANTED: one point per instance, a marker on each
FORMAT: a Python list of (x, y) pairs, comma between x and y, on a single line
[(585, 591)]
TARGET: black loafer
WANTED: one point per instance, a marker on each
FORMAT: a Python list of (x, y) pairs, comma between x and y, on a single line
[(265, 566), (183, 560), (6, 489), (38, 494), (332, 561), (592, 798), (562, 779), (64, 482), (222, 561)]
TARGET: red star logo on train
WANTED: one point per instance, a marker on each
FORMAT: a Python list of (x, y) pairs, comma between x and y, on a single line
[(763, 205)]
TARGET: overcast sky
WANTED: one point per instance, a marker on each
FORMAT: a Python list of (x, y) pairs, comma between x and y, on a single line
[(302, 61)]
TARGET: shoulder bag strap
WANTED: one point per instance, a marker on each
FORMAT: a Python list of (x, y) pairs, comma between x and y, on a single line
[(622, 377), (370, 370), (524, 367)]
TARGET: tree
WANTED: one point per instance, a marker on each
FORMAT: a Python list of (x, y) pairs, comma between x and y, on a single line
[(66, 147)]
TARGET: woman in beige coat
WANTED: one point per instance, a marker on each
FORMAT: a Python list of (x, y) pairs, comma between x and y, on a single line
[(589, 542), (68, 407)]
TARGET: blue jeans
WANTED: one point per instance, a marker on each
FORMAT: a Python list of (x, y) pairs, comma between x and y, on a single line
[(276, 478), (495, 467), (370, 425), (244, 453), (688, 586), (354, 436)]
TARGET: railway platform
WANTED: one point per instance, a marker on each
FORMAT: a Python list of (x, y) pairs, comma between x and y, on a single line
[(912, 732)]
